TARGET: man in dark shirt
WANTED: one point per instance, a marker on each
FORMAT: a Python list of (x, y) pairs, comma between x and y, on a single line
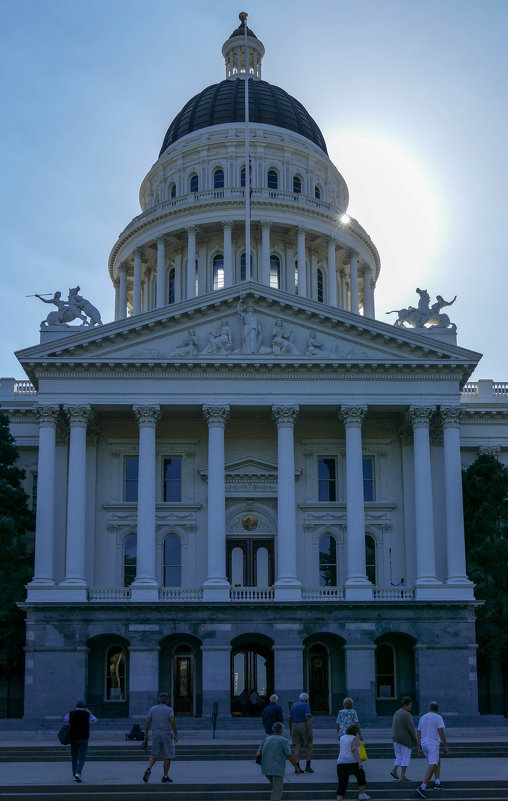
[(79, 731), (272, 714)]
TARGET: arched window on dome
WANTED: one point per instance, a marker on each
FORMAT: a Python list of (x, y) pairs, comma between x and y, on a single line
[(243, 274), (129, 559), (218, 271), (194, 183), (242, 177), (297, 185), (296, 276), (218, 178), (320, 286), (171, 286), (370, 558), (273, 179), (275, 272), (172, 191), (327, 561), (317, 192), (172, 567)]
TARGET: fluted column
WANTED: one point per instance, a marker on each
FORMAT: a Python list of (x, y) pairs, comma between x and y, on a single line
[(75, 547), (455, 538), (147, 417), (368, 293), (228, 259), (216, 586), (420, 417), (136, 291), (161, 272), (265, 253), (122, 292), (353, 281), (332, 273), (287, 586), (302, 267), (191, 262), (44, 572), (357, 584)]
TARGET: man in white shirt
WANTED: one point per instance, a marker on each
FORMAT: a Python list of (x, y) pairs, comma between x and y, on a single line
[(430, 734)]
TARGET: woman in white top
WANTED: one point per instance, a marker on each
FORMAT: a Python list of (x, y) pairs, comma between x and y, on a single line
[(350, 764)]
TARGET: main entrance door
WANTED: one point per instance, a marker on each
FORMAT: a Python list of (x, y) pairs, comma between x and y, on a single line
[(183, 682), (318, 680), (251, 671)]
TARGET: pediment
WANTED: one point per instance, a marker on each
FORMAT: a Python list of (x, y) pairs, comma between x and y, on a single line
[(246, 324), (250, 474)]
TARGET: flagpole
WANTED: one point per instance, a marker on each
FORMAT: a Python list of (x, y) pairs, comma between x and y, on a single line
[(243, 18)]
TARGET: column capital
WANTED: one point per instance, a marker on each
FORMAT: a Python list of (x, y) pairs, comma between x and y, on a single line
[(147, 415), (216, 415), (301, 231), (352, 415), (265, 225), (138, 252), (122, 268), (191, 229), (78, 415), (285, 416), (352, 254), (420, 416), (227, 224), (451, 416), (365, 269), (330, 240), (161, 240), (46, 415)]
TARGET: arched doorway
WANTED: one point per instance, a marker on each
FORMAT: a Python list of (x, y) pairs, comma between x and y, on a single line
[(318, 680), (180, 673), (325, 672), (251, 669), (395, 672), (107, 684)]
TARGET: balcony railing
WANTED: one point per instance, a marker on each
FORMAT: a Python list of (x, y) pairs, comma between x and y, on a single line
[(393, 593), (113, 594), (180, 594), (249, 594), (323, 594)]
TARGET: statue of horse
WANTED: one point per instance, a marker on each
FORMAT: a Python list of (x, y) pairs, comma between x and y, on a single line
[(418, 318)]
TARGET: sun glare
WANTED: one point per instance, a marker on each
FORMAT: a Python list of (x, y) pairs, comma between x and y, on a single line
[(393, 200)]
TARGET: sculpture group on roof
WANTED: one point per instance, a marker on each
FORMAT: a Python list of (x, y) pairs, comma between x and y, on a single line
[(75, 307), (424, 313)]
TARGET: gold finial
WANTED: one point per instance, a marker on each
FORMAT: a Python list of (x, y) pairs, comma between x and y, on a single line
[(242, 16)]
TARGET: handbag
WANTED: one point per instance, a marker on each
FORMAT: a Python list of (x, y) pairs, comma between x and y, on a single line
[(363, 752), (258, 759), (64, 735)]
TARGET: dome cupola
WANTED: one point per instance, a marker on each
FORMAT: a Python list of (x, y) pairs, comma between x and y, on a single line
[(241, 49)]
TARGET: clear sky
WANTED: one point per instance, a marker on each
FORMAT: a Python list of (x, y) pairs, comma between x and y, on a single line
[(411, 96)]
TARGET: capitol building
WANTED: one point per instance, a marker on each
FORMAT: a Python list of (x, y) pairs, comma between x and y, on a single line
[(245, 480)]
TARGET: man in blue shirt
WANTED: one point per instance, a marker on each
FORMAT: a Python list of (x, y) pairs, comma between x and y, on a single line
[(300, 728), (272, 714)]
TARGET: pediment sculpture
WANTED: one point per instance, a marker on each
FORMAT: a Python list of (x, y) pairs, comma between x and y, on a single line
[(425, 314), (74, 308)]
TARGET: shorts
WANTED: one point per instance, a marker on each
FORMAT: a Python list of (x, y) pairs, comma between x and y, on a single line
[(301, 734), (431, 751), (163, 745), (402, 755)]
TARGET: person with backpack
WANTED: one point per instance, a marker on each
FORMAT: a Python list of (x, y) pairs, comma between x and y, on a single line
[(79, 720)]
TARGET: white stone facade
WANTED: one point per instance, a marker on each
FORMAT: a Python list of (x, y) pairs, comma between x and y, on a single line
[(234, 476)]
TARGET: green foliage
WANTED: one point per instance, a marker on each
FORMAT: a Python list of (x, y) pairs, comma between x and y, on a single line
[(15, 558), (485, 487)]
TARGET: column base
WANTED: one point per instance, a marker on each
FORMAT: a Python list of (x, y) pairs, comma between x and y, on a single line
[(445, 592), (288, 592), (216, 592), (144, 592), (36, 593), (358, 592), (72, 593)]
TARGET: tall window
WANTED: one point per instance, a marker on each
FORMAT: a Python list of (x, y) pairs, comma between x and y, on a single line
[(172, 191), (296, 276), (327, 479), (320, 287), (385, 671), (243, 274), (273, 179), (242, 177), (218, 271), (115, 673), (368, 478), (275, 272), (218, 179), (317, 192), (370, 558), (131, 468), (327, 561), (172, 490), (129, 559), (171, 288), (172, 561), (194, 183), (297, 184)]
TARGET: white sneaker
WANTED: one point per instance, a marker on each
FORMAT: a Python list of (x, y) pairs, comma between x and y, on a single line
[(363, 797)]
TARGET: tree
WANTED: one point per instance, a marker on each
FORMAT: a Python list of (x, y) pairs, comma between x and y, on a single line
[(16, 520), (485, 487)]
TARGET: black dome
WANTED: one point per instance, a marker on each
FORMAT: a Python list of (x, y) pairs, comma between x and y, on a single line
[(225, 102)]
